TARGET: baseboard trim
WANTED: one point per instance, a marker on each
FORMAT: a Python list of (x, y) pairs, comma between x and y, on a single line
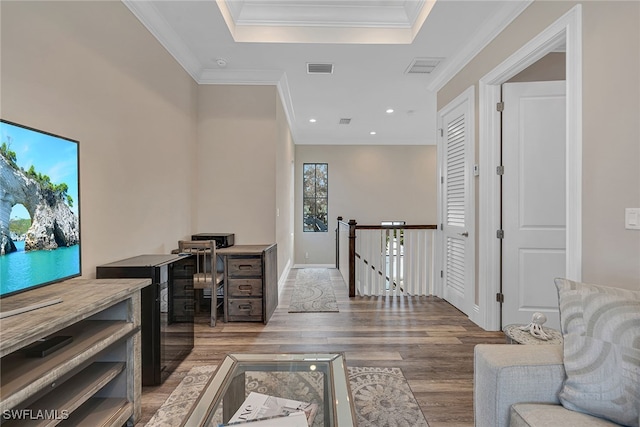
[(314, 266)]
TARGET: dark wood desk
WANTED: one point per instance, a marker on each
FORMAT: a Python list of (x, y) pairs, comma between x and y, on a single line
[(250, 282)]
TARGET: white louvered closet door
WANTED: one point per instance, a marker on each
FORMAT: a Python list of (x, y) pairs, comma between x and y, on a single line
[(457, 215)]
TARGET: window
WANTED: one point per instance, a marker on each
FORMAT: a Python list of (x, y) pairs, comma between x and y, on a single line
[(315, 178)]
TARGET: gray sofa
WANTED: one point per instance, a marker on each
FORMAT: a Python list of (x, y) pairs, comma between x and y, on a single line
[(592, 379), (519, 385)]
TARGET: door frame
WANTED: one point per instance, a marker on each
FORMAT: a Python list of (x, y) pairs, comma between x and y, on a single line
[(567, 31), (466, 99)]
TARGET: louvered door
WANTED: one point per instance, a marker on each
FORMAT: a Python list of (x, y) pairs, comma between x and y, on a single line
[(457, 232)]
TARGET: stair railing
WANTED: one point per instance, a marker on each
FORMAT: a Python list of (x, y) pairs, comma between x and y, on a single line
[(386, 260)]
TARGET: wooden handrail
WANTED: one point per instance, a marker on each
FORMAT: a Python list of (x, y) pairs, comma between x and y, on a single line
[(392, 227)]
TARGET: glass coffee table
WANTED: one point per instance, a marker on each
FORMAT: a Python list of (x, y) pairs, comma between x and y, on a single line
[(318, 380)]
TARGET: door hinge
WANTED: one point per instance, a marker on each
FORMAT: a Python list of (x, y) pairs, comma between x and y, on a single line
[(441, 226), (500, 106), (441, 273), (500, 297), (441, 132), (500, 170), (500, 234), (442, 180)]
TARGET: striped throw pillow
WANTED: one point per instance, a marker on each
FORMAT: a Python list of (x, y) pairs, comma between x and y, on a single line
[(601, 330)]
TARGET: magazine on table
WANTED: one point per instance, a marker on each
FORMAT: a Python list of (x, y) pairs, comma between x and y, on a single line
[(263, 410)]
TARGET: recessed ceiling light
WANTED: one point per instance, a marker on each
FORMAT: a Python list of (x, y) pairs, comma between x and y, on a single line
[(373, 132), (312, 120), (389, 110)]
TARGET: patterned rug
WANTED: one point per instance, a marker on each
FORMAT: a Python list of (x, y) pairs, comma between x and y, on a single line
[(313, 292), (382, 396)]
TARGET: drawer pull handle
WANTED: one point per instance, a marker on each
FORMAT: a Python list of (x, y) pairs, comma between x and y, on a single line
[(245, 288), (246, 307), (245, 267)]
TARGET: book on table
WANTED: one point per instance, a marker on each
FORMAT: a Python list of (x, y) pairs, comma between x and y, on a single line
[(261, 410)]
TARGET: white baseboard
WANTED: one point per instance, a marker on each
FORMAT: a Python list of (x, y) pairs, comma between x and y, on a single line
[(283, 278), (314, 266)]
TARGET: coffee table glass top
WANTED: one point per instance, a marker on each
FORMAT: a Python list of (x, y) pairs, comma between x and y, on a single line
[(317, 379)]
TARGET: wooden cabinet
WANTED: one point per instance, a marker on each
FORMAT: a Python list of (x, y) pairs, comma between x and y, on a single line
[(250, 282), (95, 378), (167, 309)]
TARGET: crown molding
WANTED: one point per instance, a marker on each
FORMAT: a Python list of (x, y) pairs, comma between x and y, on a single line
[(212, 76), (336, 14), (287, 105), (481, 39), (153, 21), (273, 22), (373, 140)]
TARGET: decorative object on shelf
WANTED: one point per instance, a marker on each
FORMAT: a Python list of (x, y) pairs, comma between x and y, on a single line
[(535, 327), (519, 334)]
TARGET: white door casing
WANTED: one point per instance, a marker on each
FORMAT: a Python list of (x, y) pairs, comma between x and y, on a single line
[(456, 200), (534, 199), (565, 33)]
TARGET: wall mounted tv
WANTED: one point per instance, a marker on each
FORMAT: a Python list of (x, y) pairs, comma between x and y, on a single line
[(39, 208)]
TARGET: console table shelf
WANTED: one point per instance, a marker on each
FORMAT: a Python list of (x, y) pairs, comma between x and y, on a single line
[(92, 380)]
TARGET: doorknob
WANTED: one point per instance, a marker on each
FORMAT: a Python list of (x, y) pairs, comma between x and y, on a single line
[(465, 234)]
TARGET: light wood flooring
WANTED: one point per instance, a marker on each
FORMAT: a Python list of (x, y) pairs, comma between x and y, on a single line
[(426, 337)]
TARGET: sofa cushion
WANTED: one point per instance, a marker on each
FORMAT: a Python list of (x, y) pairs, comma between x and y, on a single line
[(601, 330), (507, 374), (544, 415)]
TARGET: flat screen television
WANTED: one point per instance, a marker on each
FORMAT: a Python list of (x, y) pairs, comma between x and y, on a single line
[(39, 208)]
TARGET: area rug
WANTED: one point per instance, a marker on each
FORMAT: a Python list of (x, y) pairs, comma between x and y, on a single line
[(313, 292), (382, 397), (178, 404)]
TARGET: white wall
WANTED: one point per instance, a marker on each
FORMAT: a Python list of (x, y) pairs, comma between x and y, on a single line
[(161, 157), (369, 184), (243, 167), (236, 164), (611, 135), (285, 161), (91, 72)]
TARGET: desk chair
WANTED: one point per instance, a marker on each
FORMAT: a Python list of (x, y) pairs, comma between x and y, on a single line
[(205, 275)]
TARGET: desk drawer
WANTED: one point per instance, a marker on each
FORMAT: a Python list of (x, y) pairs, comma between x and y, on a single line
[(245, 287), (182, 288), (184, 269), (245, 309), (244, 267), (183, 309)]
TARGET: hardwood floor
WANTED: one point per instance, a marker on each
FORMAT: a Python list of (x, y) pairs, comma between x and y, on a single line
[(430, 340)]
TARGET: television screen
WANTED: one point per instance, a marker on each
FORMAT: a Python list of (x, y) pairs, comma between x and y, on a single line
[(39, 208)]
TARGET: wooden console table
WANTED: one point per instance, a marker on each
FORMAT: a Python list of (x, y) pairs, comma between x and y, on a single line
[(93, 380), (250, 282)]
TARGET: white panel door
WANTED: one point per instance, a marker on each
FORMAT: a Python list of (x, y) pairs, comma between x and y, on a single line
[(457, 215), (533, 199)]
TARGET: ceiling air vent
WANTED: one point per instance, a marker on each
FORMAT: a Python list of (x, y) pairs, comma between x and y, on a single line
[(319, 68), (423, 65), (344, 121)]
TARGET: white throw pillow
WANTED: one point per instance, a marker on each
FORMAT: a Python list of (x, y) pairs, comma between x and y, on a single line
[(601, 330)]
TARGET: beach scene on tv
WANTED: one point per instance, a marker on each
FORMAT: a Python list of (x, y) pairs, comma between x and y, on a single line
[(39, 208)]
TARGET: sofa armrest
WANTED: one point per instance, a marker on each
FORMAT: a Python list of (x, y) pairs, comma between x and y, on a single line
[(505, 374)]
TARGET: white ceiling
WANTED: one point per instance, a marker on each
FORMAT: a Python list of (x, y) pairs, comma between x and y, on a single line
[(371, 44)]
